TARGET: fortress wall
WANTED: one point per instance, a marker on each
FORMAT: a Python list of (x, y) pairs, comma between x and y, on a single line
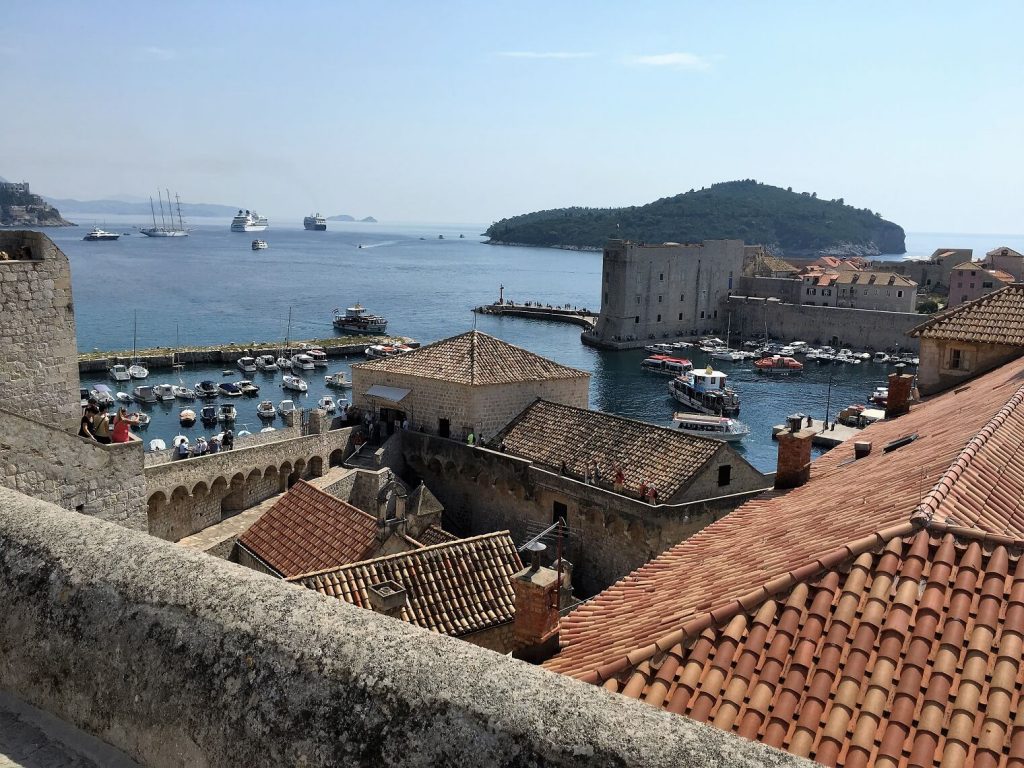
[(178, 658)]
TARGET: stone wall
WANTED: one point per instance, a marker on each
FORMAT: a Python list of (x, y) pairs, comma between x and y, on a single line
[(78, 474), (861, 329), (936, 372), (179, 659), (38, 350), (609, 535), (167, 455)]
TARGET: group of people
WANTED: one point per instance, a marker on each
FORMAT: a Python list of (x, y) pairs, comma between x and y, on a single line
[(592, 475), (203, 447), (96, 424)]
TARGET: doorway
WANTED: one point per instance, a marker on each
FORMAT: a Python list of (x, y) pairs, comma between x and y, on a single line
[(444, 427)]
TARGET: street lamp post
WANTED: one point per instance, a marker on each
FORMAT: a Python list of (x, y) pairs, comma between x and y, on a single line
[(828, 400)]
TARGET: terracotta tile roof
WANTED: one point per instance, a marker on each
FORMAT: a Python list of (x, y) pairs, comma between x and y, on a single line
[(435, 534), (864, 662), (967, 266), (964, 466), (775, 264), (550, 433), (995, 318), (307, 530), (1000, 274), (875, 279), (1004, 251), (474, 358), (454, 588)]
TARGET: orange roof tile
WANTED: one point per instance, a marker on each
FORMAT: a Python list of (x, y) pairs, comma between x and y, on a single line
[(435, 534), (307, 530), (961, 466), (995, 318), (455, 588), (476, 359), (551, 433)]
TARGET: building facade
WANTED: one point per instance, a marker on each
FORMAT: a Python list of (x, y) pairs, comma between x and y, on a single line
[(1007, 260), (664, 291), (970, 281), (858, 289)]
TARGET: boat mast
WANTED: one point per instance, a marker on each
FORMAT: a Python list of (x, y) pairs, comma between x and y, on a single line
[(177, 199), (152, 210), (135, 337), (163, 222)]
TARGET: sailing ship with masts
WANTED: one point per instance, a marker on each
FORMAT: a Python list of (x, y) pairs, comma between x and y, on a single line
[(167, 226)]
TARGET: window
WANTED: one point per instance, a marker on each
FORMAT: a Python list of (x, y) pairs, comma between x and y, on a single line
[(724, 475), (636, 319), (964, 297), (716, 313), (899, 294), (680, 297), (606, 297), (637, 299), (956, 359), (972, 285), (659, 318), (661, 276), (559, 511), (702, 314), (680, 315), (987, 284), (659, 299)]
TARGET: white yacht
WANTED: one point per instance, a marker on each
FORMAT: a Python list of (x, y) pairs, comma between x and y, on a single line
[(164, 392), (713, 427), (302, 362), (338, 380), (326, 404), (266, 363), (266, 410), (318, 356), (248, 221), (247, 364), (138, 371), (144, 394), (119, 372), (98, 234), (294, 383), (286, 406)]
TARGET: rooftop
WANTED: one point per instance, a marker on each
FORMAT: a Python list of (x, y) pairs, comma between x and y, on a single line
[(1004, 251), (435, 534), (996, 318), (550, 433), (476, 359), (455, 588), (308, 530)]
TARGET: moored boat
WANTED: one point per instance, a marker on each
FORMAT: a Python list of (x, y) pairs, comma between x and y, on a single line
[(206, 389), (229, 389), (666, 364), (706, 392), (266, 410), (356, 320), (779, 365), (338, 380), (102, 394), (208, 414), (98, 234), (182, 392), (138, 371), (187, 417), (123, 397), (302, 362), (144, 394), (380, 351), (227, 412), (318, 356), (119, 372), (713, 427), (247, 364), (163, 392), (286, 407), (326, 404), (266, 363), (247, 388), (294, 383)]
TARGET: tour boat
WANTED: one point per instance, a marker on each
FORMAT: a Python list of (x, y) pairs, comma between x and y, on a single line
[(182, 392), (227, 412), (302, 362), (666, 364), (138, 371), (144, 394), (206, 389), (247, 388), (705, 391), (119, 372), (355, 320), (98, 234), (286, 406), (228, 389), (315, 222), (326, 404), (266, 410), (338, 381), (208, 414), (187, 417), (714, 427), (294, 383), (247, 364), (164, 392), (266, 363), (318, 356), (249, 221), (779, 365), (102, 394)]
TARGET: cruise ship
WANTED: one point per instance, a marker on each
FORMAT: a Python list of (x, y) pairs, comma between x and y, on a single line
[(248, 221), (315, 222)]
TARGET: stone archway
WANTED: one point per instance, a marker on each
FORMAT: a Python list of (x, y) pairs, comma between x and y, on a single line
[(316, 466)]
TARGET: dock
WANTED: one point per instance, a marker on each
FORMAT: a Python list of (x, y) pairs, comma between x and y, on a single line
[(565, 314), (823, 438)]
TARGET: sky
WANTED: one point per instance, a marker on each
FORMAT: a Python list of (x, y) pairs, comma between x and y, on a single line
[(470, 112)]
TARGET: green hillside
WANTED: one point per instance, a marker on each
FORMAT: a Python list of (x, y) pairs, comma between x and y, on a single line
[(795, 223)]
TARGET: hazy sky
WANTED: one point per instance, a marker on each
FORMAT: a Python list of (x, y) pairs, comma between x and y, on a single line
[(468, 112)]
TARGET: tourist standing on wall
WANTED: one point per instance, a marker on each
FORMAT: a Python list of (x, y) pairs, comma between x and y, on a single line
[(85, 427), (122, 425), (101, 426)]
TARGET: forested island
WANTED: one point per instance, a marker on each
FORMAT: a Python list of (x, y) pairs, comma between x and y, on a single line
[(791, 223)]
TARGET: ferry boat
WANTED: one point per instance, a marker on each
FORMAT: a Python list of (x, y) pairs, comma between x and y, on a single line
[(713, 427), (355, 320), (706, 392), (248, 221), (98, 234), (666, 364), (259, 245), (315, 222), (779, 365)]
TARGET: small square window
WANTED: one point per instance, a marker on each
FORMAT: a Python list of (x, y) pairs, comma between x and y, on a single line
[(661, 276), (659, 318), (724, 475), (680, 315), (702, 314), (636, 319), (659, 299)]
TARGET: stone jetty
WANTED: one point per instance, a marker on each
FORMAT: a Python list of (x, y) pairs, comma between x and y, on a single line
[(564, 314)]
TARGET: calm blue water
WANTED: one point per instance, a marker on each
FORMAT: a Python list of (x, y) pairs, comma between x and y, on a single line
[(212, 288)]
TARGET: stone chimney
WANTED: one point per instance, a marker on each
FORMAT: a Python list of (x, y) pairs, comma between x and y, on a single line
[(898, 401), (390, 509), (794, 464), (537, 599), (387, 597)]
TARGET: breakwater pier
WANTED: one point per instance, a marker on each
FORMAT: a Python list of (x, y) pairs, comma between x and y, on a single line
[(565, 314), (228, 354)]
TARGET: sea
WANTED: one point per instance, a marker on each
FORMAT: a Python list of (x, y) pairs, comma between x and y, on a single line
[(212, 288)]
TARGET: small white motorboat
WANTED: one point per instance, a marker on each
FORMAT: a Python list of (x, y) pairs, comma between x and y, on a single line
[(338, 380), (266, 363), (247, 364), (227, 412), (187, 417), (208, 414), (183, 392), (294, 383), (178, 440), (206, 389), (284, 364), (119, 372), (144, 394), (138, 371), (102, 394), (318, 356), (326, 404), (247, 388), (266, 410), (142, 420), (157, 444), (302, 362), (286, 406), (259, 245), (268, 429), (123, 397), (164, 392), (229, 390), (243, 433)]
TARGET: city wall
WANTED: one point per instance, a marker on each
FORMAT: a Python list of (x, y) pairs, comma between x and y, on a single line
[(609, 535), (180, 659), (105, 481), (836, 326)]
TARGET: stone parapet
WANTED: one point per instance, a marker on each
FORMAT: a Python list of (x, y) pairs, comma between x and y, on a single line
[(177, 658)]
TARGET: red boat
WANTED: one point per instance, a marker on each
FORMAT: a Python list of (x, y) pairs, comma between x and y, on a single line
[(666, 364), (779, 365)]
